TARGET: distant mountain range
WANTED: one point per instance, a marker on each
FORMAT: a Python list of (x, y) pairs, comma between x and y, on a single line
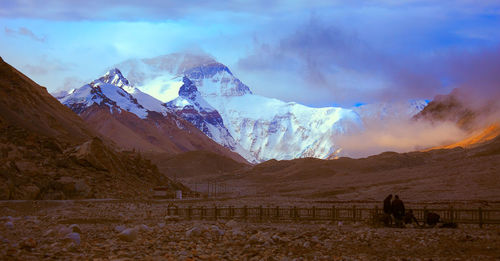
[(204, 92)]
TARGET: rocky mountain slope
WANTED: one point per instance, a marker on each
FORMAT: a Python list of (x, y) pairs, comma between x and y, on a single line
[(48, 152), (135, 120), (265, 128)]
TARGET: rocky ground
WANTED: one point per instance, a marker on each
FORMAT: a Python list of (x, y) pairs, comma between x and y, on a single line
[(102, 231)]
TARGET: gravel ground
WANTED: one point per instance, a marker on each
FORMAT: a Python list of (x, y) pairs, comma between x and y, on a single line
[(124, 231)]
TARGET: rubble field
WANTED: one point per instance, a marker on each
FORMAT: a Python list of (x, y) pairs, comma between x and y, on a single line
[(123, 231)]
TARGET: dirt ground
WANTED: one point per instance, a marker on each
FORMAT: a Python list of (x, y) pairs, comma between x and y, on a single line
[(103, 230)]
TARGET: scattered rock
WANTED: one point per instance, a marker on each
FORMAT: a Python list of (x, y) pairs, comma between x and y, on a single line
[(231, 224), (49, 233), (64, 230), (194, 232), (73, 237), (120, 228), (27, 243), (143, 227), (9, 225), (75, 228), (217, 230), (129, 234), (172, 218)]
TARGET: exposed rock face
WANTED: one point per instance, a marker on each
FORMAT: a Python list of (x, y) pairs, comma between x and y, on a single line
[(48, 152), (451, 107), (193, 108)]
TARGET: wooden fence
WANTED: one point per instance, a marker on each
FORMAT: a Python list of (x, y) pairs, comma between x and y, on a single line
[(354, 214)]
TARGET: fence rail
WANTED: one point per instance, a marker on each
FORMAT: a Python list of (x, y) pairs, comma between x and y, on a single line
[(460, 216)]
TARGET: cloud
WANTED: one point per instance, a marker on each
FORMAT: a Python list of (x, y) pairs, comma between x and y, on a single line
[(352, 69), (136, 10), (399, 135), (23, 31), (47, 66), (154, 10)]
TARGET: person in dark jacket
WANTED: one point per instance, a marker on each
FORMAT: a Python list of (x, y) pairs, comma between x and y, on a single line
[(398, 210), (388, 205), (387, 218)]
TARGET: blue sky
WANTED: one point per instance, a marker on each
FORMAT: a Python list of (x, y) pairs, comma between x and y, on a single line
[(319, 53)]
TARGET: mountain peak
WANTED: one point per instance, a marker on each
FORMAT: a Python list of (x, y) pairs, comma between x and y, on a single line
[(114, 77), (188, 89)]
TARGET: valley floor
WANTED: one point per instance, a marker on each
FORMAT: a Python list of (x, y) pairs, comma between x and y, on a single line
[(83, 230)]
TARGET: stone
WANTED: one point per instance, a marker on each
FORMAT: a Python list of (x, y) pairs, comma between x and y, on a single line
[(64, 230), (217, 230), (194, 232), (9, 225), (231, 224), (129, 234), (49, 233), (73, 237), (27, 243), (172, 218), (143, 227), (120, 228), (236, 232), (75, 228)]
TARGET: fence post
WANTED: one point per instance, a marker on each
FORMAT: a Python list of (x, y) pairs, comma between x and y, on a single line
[(452, 218), (480, 217), (314, 213), (354, 213)]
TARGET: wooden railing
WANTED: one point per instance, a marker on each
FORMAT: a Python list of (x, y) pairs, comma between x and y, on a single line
[(354, 214)]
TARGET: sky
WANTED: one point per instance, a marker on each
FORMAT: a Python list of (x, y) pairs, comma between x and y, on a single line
[(319, 53)]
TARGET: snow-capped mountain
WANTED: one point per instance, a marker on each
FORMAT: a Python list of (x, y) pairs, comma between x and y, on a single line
[(157, 127), (191, 106), (266, 128), (114, 91)]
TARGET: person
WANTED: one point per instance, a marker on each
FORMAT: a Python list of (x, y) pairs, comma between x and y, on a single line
[(410, 218), (398, 210), (387, 219), (388, 205)]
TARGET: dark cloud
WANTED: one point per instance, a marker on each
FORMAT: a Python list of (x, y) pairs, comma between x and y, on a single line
[(23, 31), (328, 57)]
